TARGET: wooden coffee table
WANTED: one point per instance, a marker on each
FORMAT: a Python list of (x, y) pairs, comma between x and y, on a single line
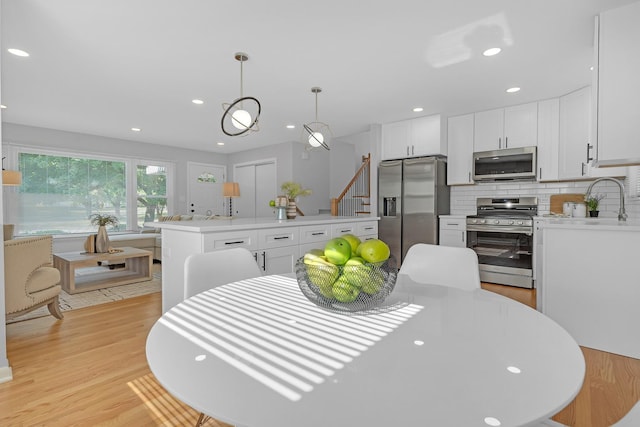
[(137, 268)]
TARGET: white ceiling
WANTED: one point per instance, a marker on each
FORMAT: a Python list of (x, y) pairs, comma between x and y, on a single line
[(103, 66)]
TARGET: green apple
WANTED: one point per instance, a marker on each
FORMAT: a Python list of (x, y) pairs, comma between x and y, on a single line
[(374, 251), (272, 203), (337, 251), (374, 283), (344, 291), (356, 272), (354, 241)]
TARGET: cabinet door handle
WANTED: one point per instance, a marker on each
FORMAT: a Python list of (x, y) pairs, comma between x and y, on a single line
[(506, 142), (462, 236), (407, 150), (589, 147), (582, 168), (469, 176), (319, 233), (540, 174), (281, 238), (345, 231), (499, 142), (412, 150), (368, 228), (237, 242), (264, 261), (255, 256)]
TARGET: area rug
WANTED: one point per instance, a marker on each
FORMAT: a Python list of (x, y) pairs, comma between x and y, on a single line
[(99, 296)]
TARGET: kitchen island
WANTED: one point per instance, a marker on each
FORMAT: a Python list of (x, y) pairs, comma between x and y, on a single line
[(275, 244), (590, 283)]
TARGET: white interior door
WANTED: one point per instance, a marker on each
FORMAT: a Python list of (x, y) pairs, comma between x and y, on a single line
[(257, 183), (205, 189), (265, 189), (245, 205)]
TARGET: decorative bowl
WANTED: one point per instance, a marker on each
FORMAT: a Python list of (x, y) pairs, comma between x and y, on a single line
[(347, 288)]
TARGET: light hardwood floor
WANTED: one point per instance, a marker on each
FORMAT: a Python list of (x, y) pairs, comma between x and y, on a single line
[(90, 369)]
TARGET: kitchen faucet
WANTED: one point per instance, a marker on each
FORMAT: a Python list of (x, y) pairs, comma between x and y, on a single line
[(622, 215)]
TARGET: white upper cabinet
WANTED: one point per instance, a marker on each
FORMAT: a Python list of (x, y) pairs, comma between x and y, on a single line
[(423, 136), (618, 87), (575, 154), (548, 135), (460, 147), (509, 127), (576, 150)]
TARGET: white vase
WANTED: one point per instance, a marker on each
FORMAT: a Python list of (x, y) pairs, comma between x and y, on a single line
[(102, 240)]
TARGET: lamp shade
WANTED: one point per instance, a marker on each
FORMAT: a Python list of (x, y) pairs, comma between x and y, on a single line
[(231, 189), (11, 177)]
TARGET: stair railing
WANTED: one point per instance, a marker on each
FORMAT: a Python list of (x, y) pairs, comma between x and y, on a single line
[(355, 198)]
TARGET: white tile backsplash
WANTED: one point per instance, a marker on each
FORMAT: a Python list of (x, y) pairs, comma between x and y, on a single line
[(463, 198)]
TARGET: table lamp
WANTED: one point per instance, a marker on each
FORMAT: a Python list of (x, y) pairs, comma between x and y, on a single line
[(230, 190)]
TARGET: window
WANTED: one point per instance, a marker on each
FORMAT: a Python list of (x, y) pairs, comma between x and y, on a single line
[(151, 192), (59, 192)]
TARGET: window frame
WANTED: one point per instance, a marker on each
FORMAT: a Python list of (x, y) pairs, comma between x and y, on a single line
[(131, 187)]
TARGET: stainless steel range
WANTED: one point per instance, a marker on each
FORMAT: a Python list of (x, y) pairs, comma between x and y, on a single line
[(501, 233)]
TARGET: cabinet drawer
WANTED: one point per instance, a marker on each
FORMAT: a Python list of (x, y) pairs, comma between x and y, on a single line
[(453, 224), (278, 237), (338, 230), (232, 239), (315, 233), (366, 228)]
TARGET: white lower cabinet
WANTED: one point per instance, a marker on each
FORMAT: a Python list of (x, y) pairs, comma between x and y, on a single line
[(278, 260), (453, 231)]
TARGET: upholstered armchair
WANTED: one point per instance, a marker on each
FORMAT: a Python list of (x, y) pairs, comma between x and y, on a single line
[(30, 280)]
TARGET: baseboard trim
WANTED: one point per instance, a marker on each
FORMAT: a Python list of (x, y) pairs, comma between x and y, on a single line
[(5, 374)]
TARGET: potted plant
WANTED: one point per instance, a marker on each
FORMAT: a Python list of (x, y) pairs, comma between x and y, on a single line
[(592, 204), (293, 190), (102, 238)]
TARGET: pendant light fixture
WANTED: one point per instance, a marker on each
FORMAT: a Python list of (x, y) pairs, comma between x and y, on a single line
[(238, 118), (317, 133)]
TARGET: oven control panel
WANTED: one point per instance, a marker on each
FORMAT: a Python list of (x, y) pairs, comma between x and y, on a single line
[(523, 222)]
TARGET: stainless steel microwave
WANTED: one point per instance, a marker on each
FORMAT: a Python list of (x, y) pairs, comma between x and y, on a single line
[(502, 165)]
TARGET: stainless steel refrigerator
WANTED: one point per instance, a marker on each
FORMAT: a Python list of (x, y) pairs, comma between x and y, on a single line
[(412, 193)]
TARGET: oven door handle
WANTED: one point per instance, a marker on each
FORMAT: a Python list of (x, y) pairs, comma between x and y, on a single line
[(516, 230)]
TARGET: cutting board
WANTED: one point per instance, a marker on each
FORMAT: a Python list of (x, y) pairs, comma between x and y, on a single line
[(556, 201)]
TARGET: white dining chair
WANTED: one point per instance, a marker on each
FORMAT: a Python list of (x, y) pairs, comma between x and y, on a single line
[(212, 269), (442, 265)]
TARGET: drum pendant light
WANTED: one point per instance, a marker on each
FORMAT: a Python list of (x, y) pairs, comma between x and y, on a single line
[(238, 118), (317, 133)]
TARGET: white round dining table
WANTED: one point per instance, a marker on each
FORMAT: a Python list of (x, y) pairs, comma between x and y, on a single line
[(257, 353)]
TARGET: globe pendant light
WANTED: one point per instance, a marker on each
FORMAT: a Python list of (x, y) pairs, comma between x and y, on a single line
[(316, 132), (237, 114)]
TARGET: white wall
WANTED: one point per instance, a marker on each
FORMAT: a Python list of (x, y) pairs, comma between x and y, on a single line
[(311, 168), (5, 370)]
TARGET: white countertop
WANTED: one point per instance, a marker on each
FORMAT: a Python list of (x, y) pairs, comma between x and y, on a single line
[(214, 225), (608, 224)]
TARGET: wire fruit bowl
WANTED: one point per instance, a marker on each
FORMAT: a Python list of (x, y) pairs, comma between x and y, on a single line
[(347, 288)]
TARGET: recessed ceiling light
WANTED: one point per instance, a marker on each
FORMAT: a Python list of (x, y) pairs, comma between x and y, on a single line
[(3, 106), (197, 101), (418, 109), (492, 51), (220, 143), (513, 89), (591, 68), (18, 52), (291, 126), (136, 129)]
